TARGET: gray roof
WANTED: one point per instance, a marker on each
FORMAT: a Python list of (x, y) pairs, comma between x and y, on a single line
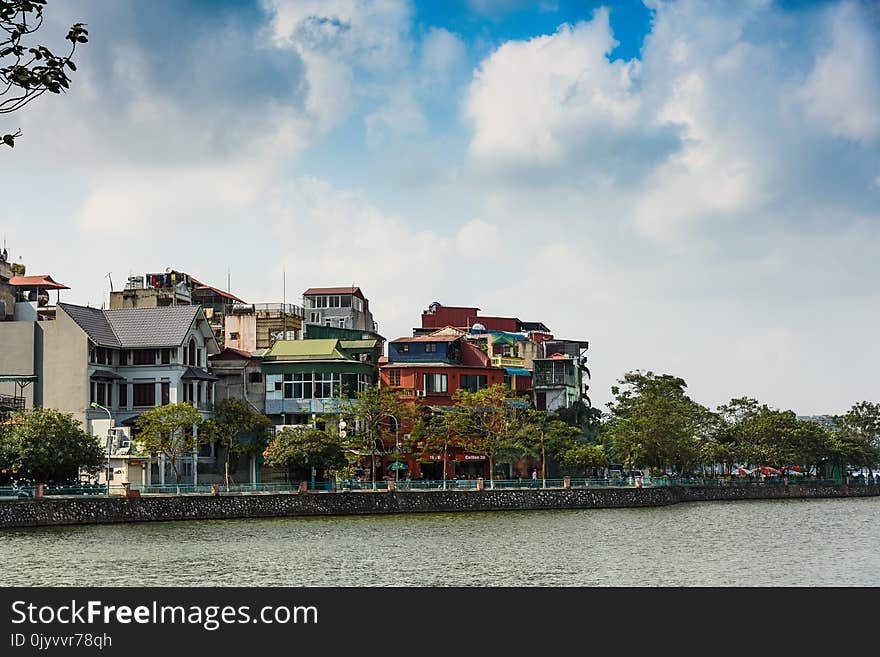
[(94, 323), (134, 328)]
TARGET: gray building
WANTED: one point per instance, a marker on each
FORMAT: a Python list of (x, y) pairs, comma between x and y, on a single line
[(127, 361), (339, 307)]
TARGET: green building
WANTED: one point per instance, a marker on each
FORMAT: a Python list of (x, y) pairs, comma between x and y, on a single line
[(305, 377)]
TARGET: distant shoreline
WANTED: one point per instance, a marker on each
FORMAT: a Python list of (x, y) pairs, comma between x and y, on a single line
[(49, 512)]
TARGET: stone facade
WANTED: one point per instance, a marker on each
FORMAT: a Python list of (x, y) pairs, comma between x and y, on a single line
[(83, 511)]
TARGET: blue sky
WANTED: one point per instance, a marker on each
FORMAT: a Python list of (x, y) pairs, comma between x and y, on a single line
[(691, 186)]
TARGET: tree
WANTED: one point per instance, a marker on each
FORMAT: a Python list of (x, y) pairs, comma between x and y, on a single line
[(27, 72), (539, 432), (370, 411), (486, 421), (169, 430), (301, 448), (47, 445), (858, 435), (653, 422), (434, 435), (582, 455), (234, 420)]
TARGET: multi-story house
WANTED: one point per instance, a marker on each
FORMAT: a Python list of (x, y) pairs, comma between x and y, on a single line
[(560, 378), (252, 327), (175, 288), (429, 369), (306, 378), (128, 361), (341, 307)]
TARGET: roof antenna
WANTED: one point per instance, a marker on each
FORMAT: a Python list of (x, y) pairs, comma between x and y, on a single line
[(111, 280)]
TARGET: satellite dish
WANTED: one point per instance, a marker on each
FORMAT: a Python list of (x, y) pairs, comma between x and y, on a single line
[(434, 306)]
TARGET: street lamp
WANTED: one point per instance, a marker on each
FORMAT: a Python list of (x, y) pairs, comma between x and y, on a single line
[(396, 447), (109, 440)]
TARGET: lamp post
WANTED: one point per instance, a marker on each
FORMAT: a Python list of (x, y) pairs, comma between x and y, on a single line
[(109, 440), (396, 447)]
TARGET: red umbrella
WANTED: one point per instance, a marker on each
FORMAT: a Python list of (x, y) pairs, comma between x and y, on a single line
[(741, 471), (766, 469)]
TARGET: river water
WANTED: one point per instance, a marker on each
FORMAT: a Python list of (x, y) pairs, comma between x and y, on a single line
[(753, 543)]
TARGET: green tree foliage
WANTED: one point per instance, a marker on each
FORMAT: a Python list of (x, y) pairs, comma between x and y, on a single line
[(486, 421), (168, 430), (238, 428), (653, 422), (369, 420), (583, 455), (297, 449), (856, 436), (539, 433), (48, 445), (29, 71)]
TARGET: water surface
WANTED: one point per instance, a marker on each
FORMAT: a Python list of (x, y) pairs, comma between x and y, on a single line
[(753, 543)]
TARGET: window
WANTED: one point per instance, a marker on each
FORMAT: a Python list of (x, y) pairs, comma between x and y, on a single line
[(342, 323), (144, 394), (288, 386), (315, 318), (357, 304), (166, 393), (326, 385), (255, 377), (144, 356), (345, 301), (430, 347), (302, 386), (328, 322), (233, 335), (403, 348), (473, 382), (123, 395), (166, 356), (99, 393), (394, 378), (192, 352), (123, 357), (434, 382)]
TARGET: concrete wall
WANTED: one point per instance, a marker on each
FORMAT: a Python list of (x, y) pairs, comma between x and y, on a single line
[(98, 510), (17, 356), (65, 356)]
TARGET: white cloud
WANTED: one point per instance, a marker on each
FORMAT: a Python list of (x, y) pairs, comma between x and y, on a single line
[(539, 101), (842, 92)]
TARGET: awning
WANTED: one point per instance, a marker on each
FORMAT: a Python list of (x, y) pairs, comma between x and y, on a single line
[(105, 375), (517, 371), (194, 373), (5, 378)]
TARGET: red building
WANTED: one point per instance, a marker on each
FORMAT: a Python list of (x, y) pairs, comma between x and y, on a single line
[(429, 370)]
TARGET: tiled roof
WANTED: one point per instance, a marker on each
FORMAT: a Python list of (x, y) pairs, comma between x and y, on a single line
[(334, 290), (204, 286), (94, 323), (134, 328), (152, 327), (43, 280)]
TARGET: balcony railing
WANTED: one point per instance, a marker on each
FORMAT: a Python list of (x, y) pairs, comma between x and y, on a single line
[(508, 361)]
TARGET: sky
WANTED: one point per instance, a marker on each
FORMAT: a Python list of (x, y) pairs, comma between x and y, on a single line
[(692, 187)]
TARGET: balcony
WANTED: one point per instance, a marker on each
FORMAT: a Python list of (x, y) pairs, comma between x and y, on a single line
[(508, 361)]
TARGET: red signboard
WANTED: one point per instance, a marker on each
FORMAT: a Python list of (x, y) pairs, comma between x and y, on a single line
[(470, 457)]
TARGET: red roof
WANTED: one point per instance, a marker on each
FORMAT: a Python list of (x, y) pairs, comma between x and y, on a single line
[(334, 290), (473, 356), (228, 352), (43, 280), (203, 286)]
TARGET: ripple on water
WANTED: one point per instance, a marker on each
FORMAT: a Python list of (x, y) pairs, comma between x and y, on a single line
[(756, 543)]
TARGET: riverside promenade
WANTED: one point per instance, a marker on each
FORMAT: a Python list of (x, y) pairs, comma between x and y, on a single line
[(108, 509)]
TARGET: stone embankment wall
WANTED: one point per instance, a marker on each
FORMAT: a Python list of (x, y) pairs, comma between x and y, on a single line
[(95, 510)]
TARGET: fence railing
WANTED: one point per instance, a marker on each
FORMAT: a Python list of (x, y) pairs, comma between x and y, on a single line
[(350, 485)]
